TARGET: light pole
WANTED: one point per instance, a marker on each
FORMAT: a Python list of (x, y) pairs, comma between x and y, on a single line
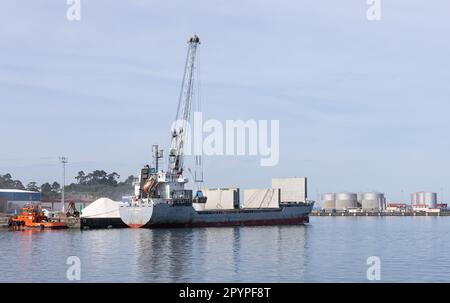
[(63, 160)]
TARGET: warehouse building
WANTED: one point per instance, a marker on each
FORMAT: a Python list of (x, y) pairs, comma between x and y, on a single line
[(13, 200)]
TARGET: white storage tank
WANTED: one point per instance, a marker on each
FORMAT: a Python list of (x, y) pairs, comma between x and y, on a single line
[(346, 201), (373, 201), (424, 199), (329, 201), (430, 199), (414, 199), (421, 198), (359, 197)]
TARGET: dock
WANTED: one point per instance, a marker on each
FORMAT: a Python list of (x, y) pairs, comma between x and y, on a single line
[(442, 213), (72, 222), (3, 220)]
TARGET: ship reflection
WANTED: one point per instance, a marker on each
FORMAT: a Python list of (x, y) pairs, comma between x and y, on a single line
[(229, 254)]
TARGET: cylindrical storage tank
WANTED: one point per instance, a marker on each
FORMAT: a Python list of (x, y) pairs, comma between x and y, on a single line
[(359, 197), (414, 199), (373, 201), (346, 200), (430, 199), (420, 197), (329, 201)]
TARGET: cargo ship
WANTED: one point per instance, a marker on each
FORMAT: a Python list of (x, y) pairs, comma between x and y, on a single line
[(161, 200)]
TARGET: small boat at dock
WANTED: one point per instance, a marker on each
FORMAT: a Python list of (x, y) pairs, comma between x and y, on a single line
[(33, 217)]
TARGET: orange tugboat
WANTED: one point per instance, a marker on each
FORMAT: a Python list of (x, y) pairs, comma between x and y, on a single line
[(33, 217)]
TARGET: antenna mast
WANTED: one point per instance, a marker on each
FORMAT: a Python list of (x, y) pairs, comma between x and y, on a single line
[(157, 154), (64, 161)]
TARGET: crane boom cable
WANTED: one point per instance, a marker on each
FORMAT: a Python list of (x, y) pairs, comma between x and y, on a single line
[(198, 156), (180, 97)]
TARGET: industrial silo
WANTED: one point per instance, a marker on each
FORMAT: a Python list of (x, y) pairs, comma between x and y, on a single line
[(430, 199), (421, 198), (373, 201), (414, 200), (346, 201), (359, 197), (424, 200), (329, 201)]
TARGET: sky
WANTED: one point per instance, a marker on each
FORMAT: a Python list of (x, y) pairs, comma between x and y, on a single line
[(363, 105)]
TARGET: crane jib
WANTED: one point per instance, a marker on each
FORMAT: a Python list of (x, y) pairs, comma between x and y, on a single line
[(184, 108)]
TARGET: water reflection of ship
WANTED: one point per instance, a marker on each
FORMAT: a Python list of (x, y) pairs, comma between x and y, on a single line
[(214, 255), (164, 255), (290, 238)]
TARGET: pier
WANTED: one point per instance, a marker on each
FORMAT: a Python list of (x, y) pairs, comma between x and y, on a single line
[(3, 220), (442, 213), (72, 222)]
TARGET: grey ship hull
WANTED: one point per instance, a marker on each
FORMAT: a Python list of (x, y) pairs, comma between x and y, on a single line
[(167, 215)]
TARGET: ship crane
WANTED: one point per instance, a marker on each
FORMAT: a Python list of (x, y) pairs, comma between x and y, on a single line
[(180, 127), (161, 199)]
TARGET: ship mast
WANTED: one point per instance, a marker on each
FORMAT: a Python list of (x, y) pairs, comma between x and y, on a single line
[(179, 130)]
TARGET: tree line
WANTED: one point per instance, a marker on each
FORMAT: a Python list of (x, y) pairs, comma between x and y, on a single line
[(97, 183), (101, 177)]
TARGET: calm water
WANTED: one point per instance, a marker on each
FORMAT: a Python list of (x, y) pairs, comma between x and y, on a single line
[(411, 249)]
